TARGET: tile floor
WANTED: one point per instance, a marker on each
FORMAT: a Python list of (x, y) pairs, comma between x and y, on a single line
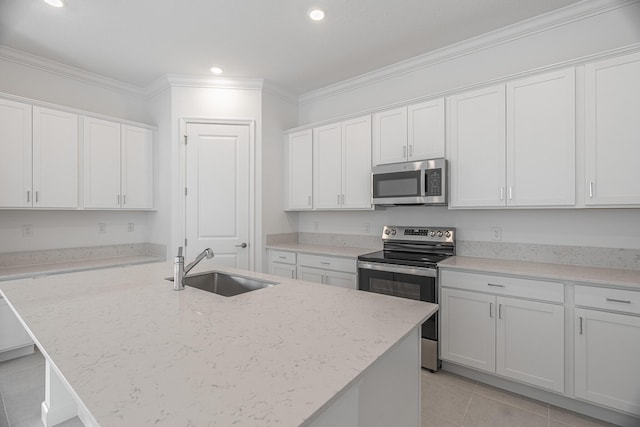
[(448, 400)]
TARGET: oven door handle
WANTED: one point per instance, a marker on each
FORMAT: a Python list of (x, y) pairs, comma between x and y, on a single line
[(392, 268)]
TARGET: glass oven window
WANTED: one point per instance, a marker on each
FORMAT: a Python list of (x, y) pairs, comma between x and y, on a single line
[(396, 184)]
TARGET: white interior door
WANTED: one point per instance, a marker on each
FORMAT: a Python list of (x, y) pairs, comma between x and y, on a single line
[(218, 192)]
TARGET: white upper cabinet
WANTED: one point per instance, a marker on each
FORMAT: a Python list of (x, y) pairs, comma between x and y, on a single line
[(612, 131), (541, 140), (299, 160), (514, 144), (137, 167), (426, 130), (410, 133), (118, 165), (390, 136), (476, 129), (55, 159), (15, 154), (342, 165)]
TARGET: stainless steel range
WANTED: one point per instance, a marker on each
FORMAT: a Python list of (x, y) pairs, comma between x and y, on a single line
[(407, 268)]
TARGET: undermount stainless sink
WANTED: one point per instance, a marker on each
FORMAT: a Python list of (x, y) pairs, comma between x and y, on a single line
[(224, 284)]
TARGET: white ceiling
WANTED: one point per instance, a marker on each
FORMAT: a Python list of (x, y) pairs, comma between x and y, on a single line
[(137, 41)]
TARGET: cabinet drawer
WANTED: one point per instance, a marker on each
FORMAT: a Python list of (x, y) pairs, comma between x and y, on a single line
[(347, 265), (608, 298), (283, 257), (501, 285)]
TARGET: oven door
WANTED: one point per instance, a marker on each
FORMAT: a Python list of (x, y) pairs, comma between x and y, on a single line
[(404, 282)]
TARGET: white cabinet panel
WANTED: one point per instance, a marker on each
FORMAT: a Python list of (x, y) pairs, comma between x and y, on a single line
[(530, 342), (55, 159), (476, 127), (612, 127), (300, 170), (283, 270), (311, 274), (390, 136), (356, 163), (426, 130), (541, 140), (15, 154), (12, 334), (607, 351), (468, 328), (101, 163), (137, 168), (327, 167)]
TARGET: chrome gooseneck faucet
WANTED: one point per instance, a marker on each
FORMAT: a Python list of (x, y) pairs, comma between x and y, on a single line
[(180, 271)]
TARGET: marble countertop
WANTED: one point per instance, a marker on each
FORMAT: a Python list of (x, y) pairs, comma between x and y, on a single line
[(343, 251), (561, 272), (27, 271), (138, 353)]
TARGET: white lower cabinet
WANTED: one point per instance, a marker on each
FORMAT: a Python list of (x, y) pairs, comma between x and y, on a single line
[(12, 335), (336, 271), (607, 348), (515, 338), (282, 263)]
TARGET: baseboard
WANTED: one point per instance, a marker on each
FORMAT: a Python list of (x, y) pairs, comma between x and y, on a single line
[(549, 397)]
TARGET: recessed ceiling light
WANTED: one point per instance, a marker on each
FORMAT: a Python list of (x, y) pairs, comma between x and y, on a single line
[(316, 14), (55, 3), (216, 70)]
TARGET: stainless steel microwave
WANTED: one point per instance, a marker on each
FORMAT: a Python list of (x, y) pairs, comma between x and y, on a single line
[(412, 183)]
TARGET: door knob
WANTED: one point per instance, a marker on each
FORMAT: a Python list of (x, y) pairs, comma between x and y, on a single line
[(241, 245)]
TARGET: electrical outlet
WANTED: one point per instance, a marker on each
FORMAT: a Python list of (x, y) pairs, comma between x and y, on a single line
[(496, 233), (131, 227), (367, 227), (27, 230), (102, 227)]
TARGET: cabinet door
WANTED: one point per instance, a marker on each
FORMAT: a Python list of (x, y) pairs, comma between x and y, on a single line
[(327, 167), (137, 168), (607, 351), (390, 136), (282, 270), (530, 342), (101, 144), (468, 328), (356, 161), (300, 167), (55, 159), (612, 129), (15, 154), (12, 334), (311, 274), (340, 279), (541, 140), (476, 146), (426, 130)]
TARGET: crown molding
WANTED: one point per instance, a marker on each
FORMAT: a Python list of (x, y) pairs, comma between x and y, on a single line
[(544, 22), (60, 69)]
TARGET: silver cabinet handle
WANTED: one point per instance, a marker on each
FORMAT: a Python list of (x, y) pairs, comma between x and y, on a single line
[(501, 193), (343, 199), (124, 199), (411, 151), (618, 300), (490, 309), (241, 245), (494, 285), (28, 196), (338, 199), (282, 257), (404, 151), (309, 202), (580, 324), (118, 199), (325, 263), (499, 311), (590, 189), (36, 196), (510, 192)]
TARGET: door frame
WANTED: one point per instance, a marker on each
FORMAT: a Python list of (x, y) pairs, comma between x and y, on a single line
[(254, 196)]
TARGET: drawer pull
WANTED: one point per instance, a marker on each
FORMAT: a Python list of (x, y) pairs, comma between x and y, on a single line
[(325, 263), (618, 300), (499, 311), (580, 324), (490, 309), (496, 286), (282, 257)]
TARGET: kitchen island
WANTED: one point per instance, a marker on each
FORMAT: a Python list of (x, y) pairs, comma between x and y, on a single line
[(123, 348)]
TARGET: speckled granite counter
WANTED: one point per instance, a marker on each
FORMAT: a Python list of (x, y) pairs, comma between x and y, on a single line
[(138, 353), (343, 251), (560, 272)]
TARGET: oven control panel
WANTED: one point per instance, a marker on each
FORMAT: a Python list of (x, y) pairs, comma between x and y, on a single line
[(421, 234)]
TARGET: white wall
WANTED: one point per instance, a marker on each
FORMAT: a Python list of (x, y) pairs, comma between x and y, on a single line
[(278, 114), (65, 229), (618, 228)]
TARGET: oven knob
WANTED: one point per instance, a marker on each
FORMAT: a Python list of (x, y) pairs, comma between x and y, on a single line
[(433, 233), (393, 232), (387, 231), (447, 234), (439, 233)]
